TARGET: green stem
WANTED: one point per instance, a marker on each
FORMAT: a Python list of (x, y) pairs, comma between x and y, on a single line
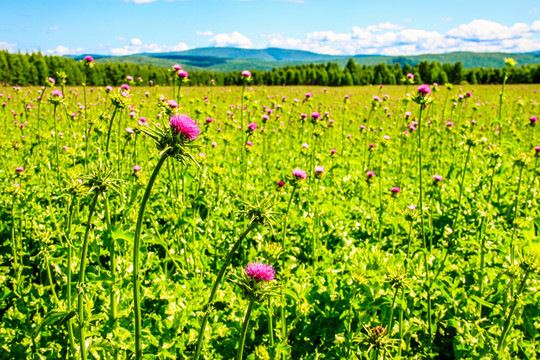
[(80, 285), (244, 331), (69, 257), (112, 256), (283, 237), (420, 175), (136, 253), (109, 132), (51, 284), (516, 206), (251, 226), (270, 322), (506, 325), (55, 121)]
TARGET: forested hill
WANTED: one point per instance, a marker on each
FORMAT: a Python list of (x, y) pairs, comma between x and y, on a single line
[(233, 59), (35, 69)]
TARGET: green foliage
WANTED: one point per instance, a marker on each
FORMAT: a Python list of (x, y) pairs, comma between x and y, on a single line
[(355, 278)]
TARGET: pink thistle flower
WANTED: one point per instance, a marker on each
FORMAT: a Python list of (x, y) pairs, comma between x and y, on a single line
[(65, 148), (437, 178), (315, 115), (19, 169), (209, 120), (108, 88), (89, 59), (305, 146), (424, 90), (533, 120), (183, 125), (449, 124), (249, 143), (410, 76), (319, 169), (246, 74), (468, 94), (333, 151), (183, 74), (136, 168), (252, 127), (260, 272), (370, 174), (281, 183), (376, 99), (177, 67), (408, 114), (52, 81), (130, 130), (125, 87), (308, 95), (129, 78), (412, 207), (214, 144), (56, 93), (299, 173), (173, 104), (395, 190)]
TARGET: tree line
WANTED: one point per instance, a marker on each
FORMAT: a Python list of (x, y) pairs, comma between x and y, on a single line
[(35, 68)]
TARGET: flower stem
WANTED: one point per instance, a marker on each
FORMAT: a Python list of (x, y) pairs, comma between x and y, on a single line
[(506, 325), (420, 176), (80, 285), (109, 132), (136, 253), (244, 331), (251, 226)]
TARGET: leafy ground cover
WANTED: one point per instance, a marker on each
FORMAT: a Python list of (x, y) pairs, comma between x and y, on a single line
[(124, 232)]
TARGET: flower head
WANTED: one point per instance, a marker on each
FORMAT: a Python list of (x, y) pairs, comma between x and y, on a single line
[(89, 59), (260, 272), (319, 169), (437, 178), (177, 67), (183, 74), (424, 90), (246, 74), (252, 127), (183, 125), (299, 174)]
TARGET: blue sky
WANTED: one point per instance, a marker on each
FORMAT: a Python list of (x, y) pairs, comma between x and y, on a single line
[(346, 27)]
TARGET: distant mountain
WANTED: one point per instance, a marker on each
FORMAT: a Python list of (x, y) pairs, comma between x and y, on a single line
[(224, 59)]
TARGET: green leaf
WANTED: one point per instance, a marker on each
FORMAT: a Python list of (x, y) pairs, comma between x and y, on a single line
[(481, 301)]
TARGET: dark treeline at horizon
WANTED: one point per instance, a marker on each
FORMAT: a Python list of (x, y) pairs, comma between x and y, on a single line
[(34, 69)]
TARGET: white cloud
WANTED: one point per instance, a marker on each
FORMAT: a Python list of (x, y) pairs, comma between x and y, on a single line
[(137, 46), (235, 39), (392, 39), (4, 45), (384, 26), (54, 28), (485, 30), (63, 50), (205, 33)]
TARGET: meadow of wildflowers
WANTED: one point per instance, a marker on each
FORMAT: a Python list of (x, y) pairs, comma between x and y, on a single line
[(253, 222)]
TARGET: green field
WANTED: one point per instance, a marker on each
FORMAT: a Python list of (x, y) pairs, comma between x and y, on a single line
[(374, 257)]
